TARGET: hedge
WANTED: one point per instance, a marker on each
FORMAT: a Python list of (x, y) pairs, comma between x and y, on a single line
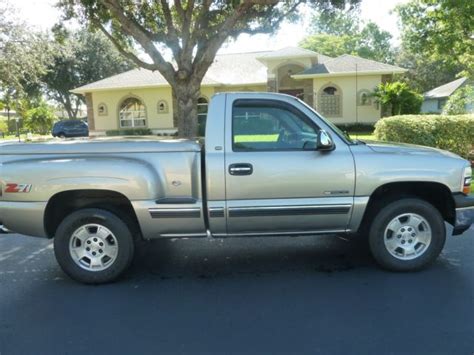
[(129, 132), (453, 133)]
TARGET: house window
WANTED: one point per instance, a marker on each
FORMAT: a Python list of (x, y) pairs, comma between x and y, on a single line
[(132, 113), (162, 106), (202, 106), (364, 98), (330, 101), (102, 109), (441, 103)]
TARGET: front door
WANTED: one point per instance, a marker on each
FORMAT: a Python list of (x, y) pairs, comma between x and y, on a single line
[(275, 179)]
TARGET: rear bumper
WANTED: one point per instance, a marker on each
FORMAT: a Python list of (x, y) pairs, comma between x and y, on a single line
[(23, 217), (464, 213)]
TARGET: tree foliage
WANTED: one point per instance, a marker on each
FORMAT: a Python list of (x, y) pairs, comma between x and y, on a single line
[(439, 30), (399, 98), (193, 31), (459, 102), (39, 119), (23, 54), (341, 32), (425, 73), (79, 58)]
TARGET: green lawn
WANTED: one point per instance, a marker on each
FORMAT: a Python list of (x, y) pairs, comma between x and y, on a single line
[(256, 138), (362, 136)]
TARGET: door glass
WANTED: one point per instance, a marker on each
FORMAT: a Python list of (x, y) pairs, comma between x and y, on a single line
[(263, 127)]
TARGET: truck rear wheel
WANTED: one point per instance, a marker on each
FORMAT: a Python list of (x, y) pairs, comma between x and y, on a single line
[(407, 235), (93, 246)]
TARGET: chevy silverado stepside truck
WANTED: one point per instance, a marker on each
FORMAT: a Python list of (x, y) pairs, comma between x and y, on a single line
[(270, 166)]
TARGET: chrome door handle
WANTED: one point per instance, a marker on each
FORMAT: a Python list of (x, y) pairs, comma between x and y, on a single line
[(241, 169)]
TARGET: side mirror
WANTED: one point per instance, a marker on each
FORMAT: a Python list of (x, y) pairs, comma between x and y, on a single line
[(324, 141)]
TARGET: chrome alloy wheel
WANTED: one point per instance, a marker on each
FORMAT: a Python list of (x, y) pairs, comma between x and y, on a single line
[(407, 236), (93, 247)]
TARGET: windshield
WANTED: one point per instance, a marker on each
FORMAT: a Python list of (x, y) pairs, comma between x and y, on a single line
[(336, 129)]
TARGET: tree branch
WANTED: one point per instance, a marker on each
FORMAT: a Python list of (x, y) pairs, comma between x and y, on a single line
[(134, 29), (173, 41), (130, 56)]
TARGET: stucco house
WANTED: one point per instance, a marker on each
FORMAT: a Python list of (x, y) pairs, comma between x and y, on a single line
[(435, 99), (338, 88)]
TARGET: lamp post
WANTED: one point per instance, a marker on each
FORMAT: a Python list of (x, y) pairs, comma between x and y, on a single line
[(17, 128)]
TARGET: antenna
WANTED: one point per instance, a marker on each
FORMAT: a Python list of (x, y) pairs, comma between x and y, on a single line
[(356, 98)]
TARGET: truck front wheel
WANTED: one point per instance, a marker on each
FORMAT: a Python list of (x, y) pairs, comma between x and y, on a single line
[(93, 246), (407, 235)]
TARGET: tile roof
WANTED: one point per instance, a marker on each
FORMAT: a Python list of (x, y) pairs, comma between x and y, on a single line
[(288, 52), (445, 90), (227, 69), (347, 63), (241, 69)]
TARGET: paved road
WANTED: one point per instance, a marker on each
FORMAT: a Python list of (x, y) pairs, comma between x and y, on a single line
[(258, 295)]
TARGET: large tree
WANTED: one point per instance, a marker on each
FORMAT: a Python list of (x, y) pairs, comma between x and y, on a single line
[(79, 58), (341, 32), (192, 30), (442, 31), (24, 55)]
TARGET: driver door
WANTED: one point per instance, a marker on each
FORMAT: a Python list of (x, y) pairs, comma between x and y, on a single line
[(276, 181)]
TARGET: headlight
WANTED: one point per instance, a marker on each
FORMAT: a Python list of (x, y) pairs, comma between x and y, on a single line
[(466, 180)]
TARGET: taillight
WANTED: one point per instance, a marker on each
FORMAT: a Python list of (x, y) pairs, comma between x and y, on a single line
[(466, 181)]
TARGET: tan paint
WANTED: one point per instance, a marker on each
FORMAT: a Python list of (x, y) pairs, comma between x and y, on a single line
[(350, 86), (149, 96)]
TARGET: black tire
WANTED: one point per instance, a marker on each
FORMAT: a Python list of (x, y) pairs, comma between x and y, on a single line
[(61, 135), (120, 231), (381, 221)]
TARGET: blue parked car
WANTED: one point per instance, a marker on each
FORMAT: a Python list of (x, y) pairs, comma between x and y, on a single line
[(70, 128)]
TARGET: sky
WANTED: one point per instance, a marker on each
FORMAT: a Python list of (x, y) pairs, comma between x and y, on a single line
[(42, 14)]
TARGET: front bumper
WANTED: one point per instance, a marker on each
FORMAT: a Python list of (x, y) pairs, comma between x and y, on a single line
[(464, 213)]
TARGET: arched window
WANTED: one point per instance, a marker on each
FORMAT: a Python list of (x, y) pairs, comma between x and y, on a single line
[(330, 101), (162, 106), (102, 109), (364, 98), (132, 113)]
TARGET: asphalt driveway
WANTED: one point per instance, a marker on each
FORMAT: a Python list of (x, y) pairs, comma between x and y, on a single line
[(303, 295)]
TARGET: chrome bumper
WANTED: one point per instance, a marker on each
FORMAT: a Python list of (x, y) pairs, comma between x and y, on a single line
[(464, 213)]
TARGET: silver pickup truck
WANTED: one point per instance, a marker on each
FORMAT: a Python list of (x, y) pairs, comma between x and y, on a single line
[(270, 166)]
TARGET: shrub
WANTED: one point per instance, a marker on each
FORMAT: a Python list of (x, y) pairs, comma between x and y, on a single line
[(453, 133), (398, 97), (459, 101), (356, 127), (3, 126), (40, 119), (12, 124), (129, 132)]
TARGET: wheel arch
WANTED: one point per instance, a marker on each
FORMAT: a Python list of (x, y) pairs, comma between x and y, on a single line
[(437, 194), (64, 203)]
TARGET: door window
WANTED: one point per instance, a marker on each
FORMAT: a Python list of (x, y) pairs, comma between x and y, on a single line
[(270, 126)]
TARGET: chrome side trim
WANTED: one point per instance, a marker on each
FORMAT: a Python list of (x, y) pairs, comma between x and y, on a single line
[(178, 235), (215, 212), (260, 211), (277, 234), (175, 212)]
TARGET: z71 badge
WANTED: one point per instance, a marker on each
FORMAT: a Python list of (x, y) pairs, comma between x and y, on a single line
[(13, 188)]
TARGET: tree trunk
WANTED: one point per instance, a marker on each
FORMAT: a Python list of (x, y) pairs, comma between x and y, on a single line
[(185, 110)]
